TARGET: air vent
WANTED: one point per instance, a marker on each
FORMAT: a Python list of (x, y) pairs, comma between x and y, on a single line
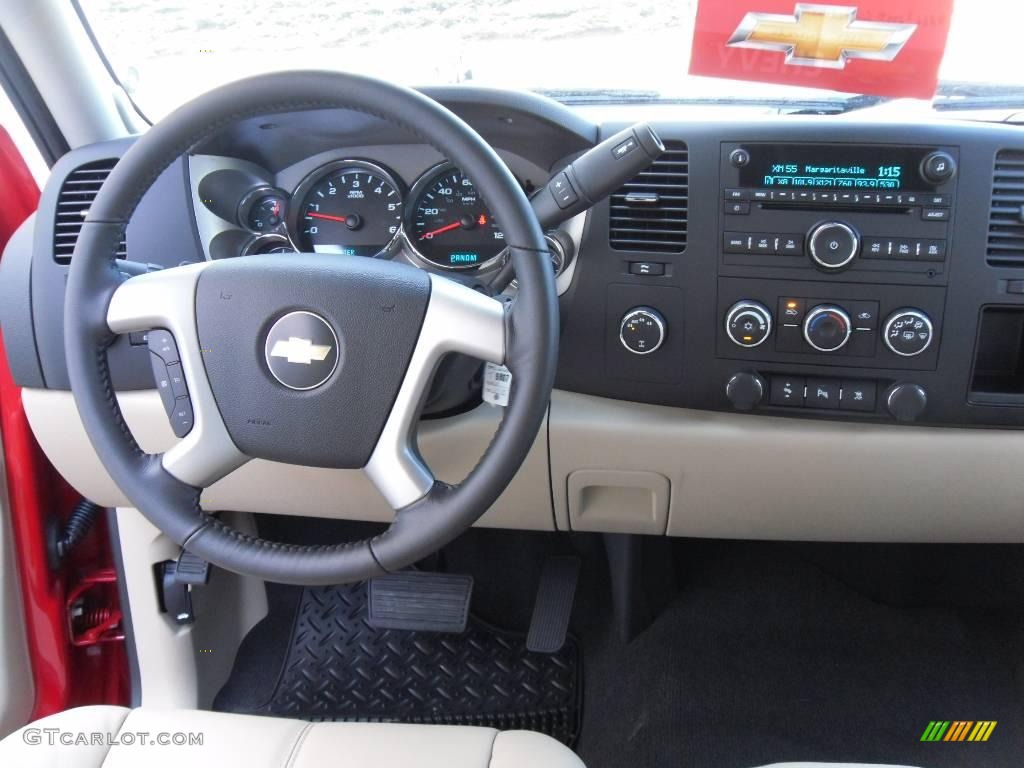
[(76, 195), (649, 212), (1006, 217)]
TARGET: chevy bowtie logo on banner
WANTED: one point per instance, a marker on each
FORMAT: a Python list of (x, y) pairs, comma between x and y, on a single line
[(883, 47)]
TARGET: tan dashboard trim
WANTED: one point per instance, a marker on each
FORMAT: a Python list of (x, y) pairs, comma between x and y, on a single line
[(759, 477), (450, 447), (729, 475)]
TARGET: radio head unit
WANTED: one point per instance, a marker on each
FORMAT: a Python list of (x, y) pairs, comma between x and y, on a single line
[(841, 167)]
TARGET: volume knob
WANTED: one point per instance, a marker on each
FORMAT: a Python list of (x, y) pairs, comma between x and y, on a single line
[(833, 244)]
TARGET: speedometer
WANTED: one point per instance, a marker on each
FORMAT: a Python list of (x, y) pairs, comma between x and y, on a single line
[(349, 207), (449, 225)]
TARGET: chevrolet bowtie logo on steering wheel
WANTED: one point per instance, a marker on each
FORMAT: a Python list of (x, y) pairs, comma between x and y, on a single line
[(296, 350), (301, 350)]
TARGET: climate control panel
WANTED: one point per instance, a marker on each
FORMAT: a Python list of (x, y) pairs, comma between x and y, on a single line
[(822, 323)]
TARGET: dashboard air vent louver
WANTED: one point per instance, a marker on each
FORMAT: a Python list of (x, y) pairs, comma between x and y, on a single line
[(648, 213), (1006, 216), (76, 195)]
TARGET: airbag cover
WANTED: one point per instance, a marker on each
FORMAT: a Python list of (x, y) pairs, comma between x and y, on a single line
[(261, 310)]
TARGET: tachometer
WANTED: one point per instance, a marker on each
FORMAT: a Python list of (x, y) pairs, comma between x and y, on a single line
[(350, 207), (449, 225)]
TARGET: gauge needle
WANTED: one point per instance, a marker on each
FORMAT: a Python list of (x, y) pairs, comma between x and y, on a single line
[(453, 225), (327, 216)]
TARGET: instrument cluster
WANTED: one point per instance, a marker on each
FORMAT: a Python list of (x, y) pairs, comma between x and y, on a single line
[(360, 208)]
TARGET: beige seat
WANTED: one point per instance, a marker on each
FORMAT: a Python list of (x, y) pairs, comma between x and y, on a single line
[(115, 737)]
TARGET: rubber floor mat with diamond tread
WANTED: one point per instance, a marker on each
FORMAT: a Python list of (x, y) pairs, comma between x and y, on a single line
[(338, 667)]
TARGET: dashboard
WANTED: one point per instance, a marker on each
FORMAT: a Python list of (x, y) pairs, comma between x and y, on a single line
[(816, 270)]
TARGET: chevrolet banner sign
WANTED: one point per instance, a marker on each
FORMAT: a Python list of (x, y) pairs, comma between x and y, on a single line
[(881, 47)]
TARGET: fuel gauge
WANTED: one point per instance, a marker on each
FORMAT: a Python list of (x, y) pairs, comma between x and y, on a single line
[(263, 210)]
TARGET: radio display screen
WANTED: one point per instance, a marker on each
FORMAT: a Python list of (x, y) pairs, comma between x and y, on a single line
[(838, 167)]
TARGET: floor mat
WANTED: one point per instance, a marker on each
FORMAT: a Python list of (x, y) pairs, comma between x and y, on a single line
[(767, 656), (337, 667)]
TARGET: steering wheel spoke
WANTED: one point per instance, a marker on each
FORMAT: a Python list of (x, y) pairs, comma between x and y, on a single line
[(166, 300), (457, 319)]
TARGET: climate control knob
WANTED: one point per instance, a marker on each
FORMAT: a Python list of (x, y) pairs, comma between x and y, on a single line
[(833, 244), (827, 328), (908, 332), (642, 330), (748, 323)]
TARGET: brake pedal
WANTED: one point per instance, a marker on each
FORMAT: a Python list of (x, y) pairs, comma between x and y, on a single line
[(422, 602), (553, 608)]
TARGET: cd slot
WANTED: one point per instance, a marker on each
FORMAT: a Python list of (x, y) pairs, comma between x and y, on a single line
[(813, 206)]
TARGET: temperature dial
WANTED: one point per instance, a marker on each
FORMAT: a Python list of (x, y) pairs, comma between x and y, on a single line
[(642, 330), (748, 323), (908, 332), (827, 328)]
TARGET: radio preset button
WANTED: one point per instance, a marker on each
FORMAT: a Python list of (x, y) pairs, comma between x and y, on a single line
[(833, 245), (908, 332)]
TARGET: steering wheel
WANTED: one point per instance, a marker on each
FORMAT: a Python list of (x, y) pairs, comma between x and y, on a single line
[(309, 359)]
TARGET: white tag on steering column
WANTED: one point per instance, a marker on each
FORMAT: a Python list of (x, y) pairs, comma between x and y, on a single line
[(497, 384)]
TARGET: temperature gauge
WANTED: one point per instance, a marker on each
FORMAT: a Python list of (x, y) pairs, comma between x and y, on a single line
[(263, 211)]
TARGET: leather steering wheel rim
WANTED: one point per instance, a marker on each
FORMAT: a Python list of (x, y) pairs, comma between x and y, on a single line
[(97, 289)]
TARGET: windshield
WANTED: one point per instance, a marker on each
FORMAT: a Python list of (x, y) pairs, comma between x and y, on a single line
[(168, 51)]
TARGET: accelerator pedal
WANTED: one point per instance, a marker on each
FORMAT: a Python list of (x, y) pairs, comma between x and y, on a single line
[(553, 607), (421, 602)]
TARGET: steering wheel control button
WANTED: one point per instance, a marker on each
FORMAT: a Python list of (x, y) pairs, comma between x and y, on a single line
[(908, 332), (906, 402), (182, 419), (787, 390), (177, 379), (745, 391), (642, 330), (748, 323), (833, 245), (938, 167), (161, 343), (822, 393), (827, 328), (301, 350)]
